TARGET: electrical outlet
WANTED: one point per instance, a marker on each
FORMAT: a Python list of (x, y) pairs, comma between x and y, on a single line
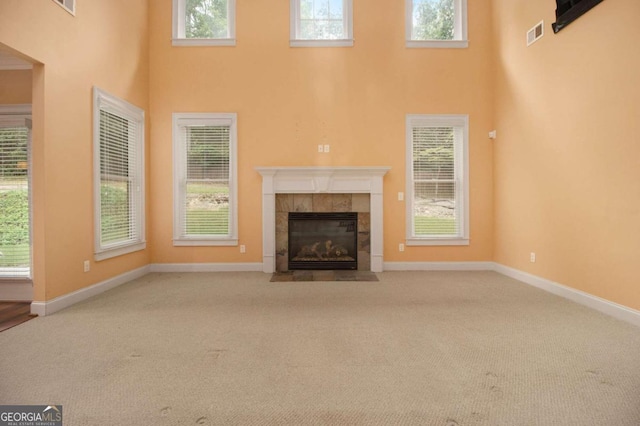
[(327, 148), (400, 196), (243, 249), (87, 266), (532, 257), (401, 247)]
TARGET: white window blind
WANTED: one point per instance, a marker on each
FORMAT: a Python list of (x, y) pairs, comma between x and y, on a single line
[(437, 208), (321, 23), (119, 177), (15, 248), (205, 174)]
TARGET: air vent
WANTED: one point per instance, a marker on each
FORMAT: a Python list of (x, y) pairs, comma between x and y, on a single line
[(535, 33)]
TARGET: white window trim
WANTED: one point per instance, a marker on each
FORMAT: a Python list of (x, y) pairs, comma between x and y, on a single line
[(105, 101), (462, 167), (179, 38), (294, 28), (460, 40), (179, 163), (68, 5)]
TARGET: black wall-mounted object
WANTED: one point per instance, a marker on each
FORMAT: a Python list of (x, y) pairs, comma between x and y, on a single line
[(568, 11)]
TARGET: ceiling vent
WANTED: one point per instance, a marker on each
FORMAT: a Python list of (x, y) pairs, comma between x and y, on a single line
[(535, 33)]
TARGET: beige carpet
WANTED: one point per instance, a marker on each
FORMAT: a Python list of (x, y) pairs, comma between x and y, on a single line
[(419, 348)]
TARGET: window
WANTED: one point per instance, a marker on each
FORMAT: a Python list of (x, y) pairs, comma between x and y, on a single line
[(68, 5), (204, 22), (321, 23), (15, 212), (437, 180), (436, 23), (205, 175), (118, 146)]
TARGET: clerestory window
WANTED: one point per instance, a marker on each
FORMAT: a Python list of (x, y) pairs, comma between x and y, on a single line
[(436, 23), (68, 5), (204, 22), (321, 23)]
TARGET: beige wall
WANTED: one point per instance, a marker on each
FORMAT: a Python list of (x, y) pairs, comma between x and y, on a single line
[(100, 46), (289, 100), (15, 87), (567, 157)]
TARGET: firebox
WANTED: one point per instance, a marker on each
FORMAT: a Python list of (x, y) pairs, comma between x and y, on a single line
[(323, 240)]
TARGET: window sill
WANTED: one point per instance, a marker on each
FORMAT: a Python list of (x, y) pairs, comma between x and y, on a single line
[(203, 42), (186, 242), (438, 44), (8, 278), (119, 251), (445, 241), (321, 43)]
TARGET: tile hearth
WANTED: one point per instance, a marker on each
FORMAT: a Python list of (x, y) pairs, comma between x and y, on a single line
[(306, 276)]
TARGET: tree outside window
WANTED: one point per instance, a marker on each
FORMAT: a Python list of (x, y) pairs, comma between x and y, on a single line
[(433, 20), (206, 19), (436, 23), (204, 22)]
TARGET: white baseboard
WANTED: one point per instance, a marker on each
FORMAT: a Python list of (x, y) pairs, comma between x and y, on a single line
[(607, 307), (438, 266), (594, 302), (16, 291), (59, 303), (206, 267)]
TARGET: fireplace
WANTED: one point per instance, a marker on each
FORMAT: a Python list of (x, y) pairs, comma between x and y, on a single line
[(318, 181), (323, 240)]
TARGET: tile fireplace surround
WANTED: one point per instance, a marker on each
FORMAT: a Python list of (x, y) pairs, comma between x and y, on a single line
[(323, 203), (317, 180)]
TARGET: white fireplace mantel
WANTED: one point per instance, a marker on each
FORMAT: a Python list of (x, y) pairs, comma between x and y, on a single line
[(311, 180)]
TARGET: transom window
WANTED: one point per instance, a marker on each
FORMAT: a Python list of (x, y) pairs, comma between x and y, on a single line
[(321, 23), (436, 23), (437, 180), (204, 22)]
